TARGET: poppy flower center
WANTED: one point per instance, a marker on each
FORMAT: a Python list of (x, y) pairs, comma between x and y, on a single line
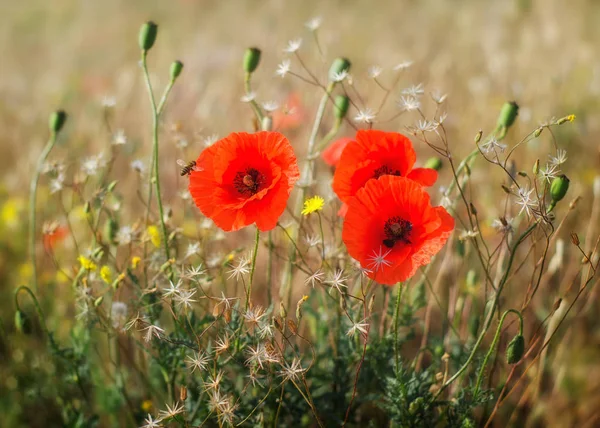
[(385, 170), (396, 229), (248, 182)]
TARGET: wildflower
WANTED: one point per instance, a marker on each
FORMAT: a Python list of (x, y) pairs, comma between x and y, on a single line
[(124, 235), (409, 103), (153, 330), (375, 154), (146, 405), (549, 172), (503, 224), (525, 200), (253, 315), (173, 289), (265, 330), (138, 165), (313, 24), (53, 234), (293, 46), (493, 145), (214, 382), (560, 158), (247, 178), (119, 138), (317, 276), (87, 264), (184, 298), (414, 90), (366, 116), (396, 213), (193, 272), (249, 97), (375, 71), (240, 269), (106, 274), (192, 249), (226, 301), (468, 234), (258, 355), (90, 165), (199, 361), (360, 327), (283, 68), (222, 344), (337, 281), (57, 184), (154, 235), (378, 259), (209, 140), (340, 76), (438, 97), (313, 204), (312, 240), (403, 65), (151, 423), (291, 371), (270, 106), (135, 261), (171, 411)]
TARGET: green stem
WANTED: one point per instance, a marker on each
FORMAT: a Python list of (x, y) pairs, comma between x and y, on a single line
[(32, 205), (254, 254), (38, 309), (494, 343), (253, 103), (492, 311), (396, 316)]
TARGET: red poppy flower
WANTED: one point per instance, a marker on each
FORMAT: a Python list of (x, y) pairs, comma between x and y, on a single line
[(375, 154), (245, 179), (53, 234), (293, 116), (392, 229), (332, 154)]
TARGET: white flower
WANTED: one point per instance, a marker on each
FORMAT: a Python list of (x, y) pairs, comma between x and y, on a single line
[(124, 235), (403, 65), (172, 290), (549, 172), (438, 97), (192, 249), (240, 269), (153, 330), (222, 344), (265, 330), (525, 200), (91, 164), (503, 224), (409, 103), (209, 140), (366, 116), (291, 371), (119, 138), (467, 234), (138, 165), (226, 301), (377, 259), (312, 240), (414, 90), (260, 355), (361, 326), (254, 315), (316, 277), (270, 105), (293, 45), (375, 71), (560, 158), (151, 423), (337, 281), (493, 145), (184, 298), (250, 96), (340, 76), (171, 411), (283, 68), (314, 23), (182, 143), (56, 184), (192, 272), (199, 361)]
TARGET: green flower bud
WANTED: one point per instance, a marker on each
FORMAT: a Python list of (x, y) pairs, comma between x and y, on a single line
[(251, 59), (339, 66), (538, 132), (57, 121), (341, 105), (22, 322), (433, 163), (111, 227), (559, 187), (515, 349), (508, 114), (478, 136), (98, 301), (282, 310), (176, 68), (147, 35)]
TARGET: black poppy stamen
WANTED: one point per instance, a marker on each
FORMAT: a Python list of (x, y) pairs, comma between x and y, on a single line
[(385, 170), (248, 182), (396, 229)]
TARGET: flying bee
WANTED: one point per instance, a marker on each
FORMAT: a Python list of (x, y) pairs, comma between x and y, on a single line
[(187, 167)]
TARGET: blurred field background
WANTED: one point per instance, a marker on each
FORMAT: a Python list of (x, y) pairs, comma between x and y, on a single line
[(70, 54)]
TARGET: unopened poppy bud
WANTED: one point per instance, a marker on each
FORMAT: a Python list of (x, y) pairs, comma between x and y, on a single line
[(266, 123), (22, 322), (508, 114), (433, 163), (341, 105), (559, 187), (473, 209), (176, 69), (282, 310), (515, 349), (57, 121), (478, 136), (251, 59), (522, 173), (538, 132), (147, 35), (506, 190), (339, 66)]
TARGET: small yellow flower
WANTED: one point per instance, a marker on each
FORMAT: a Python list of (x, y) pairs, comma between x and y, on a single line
[(11, 212), (25, 272), (87, 264), (154, 235), (106, 274), (146, 406), (135, 261), (571, 117), (313, 204)]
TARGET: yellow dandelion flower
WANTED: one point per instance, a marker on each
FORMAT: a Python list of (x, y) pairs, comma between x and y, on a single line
[(313, 204), (86, 263), (106, 274), (154, 235), (135, 261), (571, 117)]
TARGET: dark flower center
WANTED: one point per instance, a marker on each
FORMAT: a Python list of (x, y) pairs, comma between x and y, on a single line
[(385, 170), (248, 182), (396, 229)]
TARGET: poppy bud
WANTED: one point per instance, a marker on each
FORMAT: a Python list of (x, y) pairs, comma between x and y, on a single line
[(147, 35), (22, 322), (515, 349), (508, 114), (339, 66), (559, 187), (282, 310), (433, 163), (251, 59), (341, 105), (57, 121), (538, 132), (176, 69)]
